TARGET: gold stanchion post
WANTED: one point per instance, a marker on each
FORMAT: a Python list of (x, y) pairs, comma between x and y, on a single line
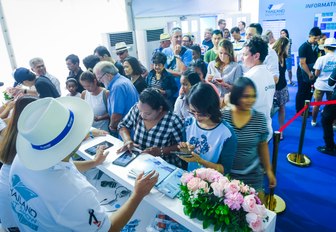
[(274, 202), (298, 158)]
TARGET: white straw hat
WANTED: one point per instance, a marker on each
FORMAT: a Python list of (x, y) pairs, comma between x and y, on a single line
[(121, 46), (329, 42), (49, 129)]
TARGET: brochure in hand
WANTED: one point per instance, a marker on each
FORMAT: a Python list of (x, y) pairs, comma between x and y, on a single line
[(169, 175)]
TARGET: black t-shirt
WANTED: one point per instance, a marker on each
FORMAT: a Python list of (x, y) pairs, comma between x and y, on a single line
[(282, 78), (45, 88), (120, 68), (309, 52), (140, 84)]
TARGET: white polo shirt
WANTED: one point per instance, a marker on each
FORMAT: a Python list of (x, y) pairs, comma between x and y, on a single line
[(326, 65), (264, 82), (55, 199)]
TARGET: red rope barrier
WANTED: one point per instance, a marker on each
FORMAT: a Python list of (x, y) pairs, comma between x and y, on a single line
[(292, 119), (323, 103), (303, 109)]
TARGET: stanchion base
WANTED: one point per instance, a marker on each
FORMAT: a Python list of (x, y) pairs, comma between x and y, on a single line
[(293, 159), (276, 204)]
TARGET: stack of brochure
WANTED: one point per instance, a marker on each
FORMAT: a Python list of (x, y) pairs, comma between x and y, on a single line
[(169, 175)]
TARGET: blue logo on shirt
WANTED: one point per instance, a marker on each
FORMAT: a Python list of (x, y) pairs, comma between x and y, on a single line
[(20, 196), (201, 147)]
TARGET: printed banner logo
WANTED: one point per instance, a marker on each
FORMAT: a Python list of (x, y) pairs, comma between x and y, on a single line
[(275, 10), (320, 4)]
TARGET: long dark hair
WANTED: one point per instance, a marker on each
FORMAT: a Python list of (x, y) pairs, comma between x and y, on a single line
[(204, 99), (134, 63), (8, 144)]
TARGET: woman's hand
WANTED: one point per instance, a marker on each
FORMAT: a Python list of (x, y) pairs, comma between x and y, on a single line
[(97, 118), (209, 77), (154, 151), (97, 132), (187, 148), (271, 179), (100, 156), (195, 157), (128, 145)]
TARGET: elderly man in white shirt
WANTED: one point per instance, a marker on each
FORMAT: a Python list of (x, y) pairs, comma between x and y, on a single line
[(38, 67)]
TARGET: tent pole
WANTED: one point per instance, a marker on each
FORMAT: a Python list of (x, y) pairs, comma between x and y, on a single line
[(6, 36)]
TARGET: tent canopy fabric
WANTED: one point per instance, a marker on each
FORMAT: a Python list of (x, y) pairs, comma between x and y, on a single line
[(162, 8)]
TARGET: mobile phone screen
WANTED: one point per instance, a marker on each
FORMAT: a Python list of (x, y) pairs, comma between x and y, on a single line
[(92, 150), (125, 158)]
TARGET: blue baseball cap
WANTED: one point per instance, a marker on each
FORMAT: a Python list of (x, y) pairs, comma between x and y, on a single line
[(22, 74)]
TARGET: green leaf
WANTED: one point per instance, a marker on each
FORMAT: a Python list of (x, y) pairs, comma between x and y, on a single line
[(206, 224), (193, 214), (217, 226), (227, 220)]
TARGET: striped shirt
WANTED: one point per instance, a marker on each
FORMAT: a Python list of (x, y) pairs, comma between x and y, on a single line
[(246, 164)]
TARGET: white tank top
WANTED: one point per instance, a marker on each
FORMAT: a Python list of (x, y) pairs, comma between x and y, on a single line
[(99, 109)]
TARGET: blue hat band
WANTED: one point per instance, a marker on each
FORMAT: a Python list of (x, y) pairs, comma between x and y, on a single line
[(60, 137)]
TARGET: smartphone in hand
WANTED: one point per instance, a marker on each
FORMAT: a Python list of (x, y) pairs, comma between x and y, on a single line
[(182, 154)]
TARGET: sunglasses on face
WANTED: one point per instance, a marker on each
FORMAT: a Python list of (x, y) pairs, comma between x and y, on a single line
[(120, 53)]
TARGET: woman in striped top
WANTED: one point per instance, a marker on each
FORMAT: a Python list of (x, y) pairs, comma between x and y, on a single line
[(252, 156)]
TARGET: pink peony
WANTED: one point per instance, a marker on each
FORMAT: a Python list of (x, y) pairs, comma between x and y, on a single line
[(208, 174), (203, 185), (234, 200), (193, 184), (252, 190), (232, 187), (249, 204), (255, 222), (244, 188), (218, 189), (186, 177), (223, 180)]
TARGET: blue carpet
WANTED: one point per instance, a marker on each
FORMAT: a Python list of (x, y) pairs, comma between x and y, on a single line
[(309, 192)]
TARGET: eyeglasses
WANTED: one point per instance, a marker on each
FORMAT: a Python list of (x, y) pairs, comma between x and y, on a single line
[(198, 114), (120, 53), (99, 78)]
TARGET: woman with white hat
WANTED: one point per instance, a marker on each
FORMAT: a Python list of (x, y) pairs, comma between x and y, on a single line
[(47, 191)]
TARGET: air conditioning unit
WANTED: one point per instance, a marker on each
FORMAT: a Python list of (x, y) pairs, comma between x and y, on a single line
[(148, 41), (110, 40)]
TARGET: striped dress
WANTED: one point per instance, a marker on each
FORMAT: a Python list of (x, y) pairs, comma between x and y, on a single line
[(246, 164)]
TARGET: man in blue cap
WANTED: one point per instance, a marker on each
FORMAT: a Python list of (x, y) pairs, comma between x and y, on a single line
[(44, 87)]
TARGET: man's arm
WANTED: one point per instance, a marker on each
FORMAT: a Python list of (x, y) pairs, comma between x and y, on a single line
[(142, 187), (332, 78), (305, 67), (114, 121)]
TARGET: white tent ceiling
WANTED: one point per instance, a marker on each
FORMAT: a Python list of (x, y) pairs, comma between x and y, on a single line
[(160, 8)]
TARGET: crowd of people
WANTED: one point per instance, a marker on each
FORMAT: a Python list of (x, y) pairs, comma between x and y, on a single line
[(212, 101)]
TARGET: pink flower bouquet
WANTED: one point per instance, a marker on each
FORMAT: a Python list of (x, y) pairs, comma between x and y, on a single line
[(227, 204)]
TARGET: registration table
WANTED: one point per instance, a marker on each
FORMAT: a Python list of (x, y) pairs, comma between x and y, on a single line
[(156, 200)]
